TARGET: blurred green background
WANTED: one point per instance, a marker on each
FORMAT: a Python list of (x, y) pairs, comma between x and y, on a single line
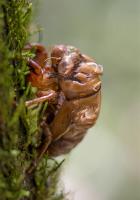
[(106, 165)]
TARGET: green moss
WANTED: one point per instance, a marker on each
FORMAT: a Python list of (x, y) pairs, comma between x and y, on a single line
[(19, 127)]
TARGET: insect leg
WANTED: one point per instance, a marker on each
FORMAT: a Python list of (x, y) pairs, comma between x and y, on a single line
[(46, 142), (48, 97), (35, 66), (41, 54)]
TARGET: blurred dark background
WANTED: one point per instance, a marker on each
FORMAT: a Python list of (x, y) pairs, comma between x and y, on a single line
[(106, 165)]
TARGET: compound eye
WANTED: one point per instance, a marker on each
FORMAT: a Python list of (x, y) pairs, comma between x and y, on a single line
[(57, 54), (66, 66)]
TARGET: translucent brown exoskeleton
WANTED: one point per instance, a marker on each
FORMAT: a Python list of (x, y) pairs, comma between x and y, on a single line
[(70, 82)]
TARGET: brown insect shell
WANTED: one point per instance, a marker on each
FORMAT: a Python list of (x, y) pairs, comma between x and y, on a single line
[(41, 77), (56, 54), (42, 80), (84, 81), (66, 55), (71, 123), (67, 65), (78, 74), (78, 78)]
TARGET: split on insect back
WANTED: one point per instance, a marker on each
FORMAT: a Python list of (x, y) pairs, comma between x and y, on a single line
[(70, 82)]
